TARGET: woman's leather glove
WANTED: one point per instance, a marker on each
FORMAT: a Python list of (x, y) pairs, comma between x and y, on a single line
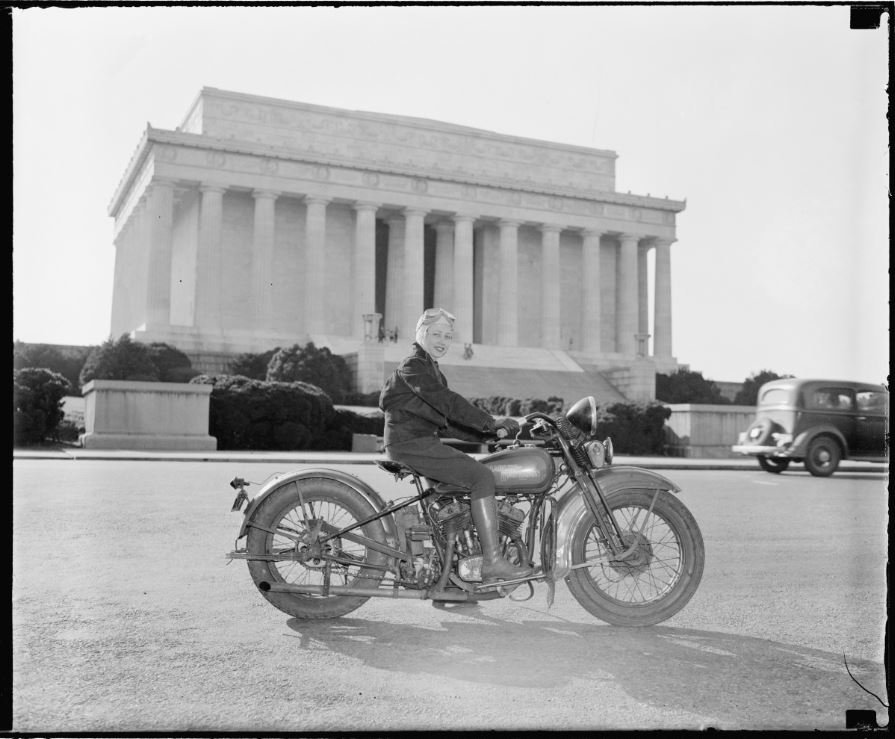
[(506, 427)]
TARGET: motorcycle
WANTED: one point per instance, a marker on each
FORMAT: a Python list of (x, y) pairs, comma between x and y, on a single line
[(320, 542)]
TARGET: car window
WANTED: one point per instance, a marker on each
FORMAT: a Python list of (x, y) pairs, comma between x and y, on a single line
[(775, 396), (870, 401), (830, 399)]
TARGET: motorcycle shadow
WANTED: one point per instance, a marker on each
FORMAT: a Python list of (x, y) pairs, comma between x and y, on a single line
[(710, 673)]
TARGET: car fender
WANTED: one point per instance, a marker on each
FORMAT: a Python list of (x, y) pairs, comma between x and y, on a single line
[(355, 483), (800, 443), (571, 508)]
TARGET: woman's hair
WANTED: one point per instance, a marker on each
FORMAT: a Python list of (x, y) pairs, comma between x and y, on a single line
[(430, 316)]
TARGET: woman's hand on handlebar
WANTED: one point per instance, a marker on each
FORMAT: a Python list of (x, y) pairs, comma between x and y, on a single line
[(506, 427)]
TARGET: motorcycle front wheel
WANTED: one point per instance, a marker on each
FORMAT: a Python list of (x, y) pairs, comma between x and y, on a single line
[(287, 525), (657, 579)]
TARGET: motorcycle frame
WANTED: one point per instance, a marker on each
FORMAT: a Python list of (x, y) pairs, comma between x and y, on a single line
[(589, 492)]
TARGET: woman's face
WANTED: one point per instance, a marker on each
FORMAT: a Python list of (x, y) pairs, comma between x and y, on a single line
[(438, 338)]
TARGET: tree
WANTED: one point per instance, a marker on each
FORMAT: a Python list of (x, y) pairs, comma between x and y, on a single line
[(318, 367), (37, 403), (685, 386), (751, 385), (124, 359), (253, 366), (67, 362)]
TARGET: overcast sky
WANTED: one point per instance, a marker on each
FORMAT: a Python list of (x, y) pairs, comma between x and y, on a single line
[(769, 121)]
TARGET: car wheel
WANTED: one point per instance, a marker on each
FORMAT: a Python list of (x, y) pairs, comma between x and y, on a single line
[(772, 464), (823, 456)]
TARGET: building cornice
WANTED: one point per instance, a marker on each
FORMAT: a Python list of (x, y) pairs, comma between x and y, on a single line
[(209, 143)]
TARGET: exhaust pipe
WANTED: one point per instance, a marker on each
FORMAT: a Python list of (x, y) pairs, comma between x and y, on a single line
[(282, 587), (434, 594)]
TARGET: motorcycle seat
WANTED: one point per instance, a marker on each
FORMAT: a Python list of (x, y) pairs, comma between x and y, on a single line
[(402, 470)]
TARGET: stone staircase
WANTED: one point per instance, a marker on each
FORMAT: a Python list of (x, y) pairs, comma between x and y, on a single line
[(517, 372)]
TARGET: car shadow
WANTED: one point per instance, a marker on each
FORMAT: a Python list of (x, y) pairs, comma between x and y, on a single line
[(731, 677)]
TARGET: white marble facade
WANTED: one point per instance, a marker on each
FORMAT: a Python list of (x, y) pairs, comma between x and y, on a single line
[(262, 222)]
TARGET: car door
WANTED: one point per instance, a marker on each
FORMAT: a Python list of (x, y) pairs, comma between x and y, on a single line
[(833, 405), (871, 423)]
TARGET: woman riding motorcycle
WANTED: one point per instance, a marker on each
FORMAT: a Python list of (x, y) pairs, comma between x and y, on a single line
[(419, 408)]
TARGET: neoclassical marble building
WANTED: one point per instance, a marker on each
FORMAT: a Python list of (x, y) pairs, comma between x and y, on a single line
[(261, 222)]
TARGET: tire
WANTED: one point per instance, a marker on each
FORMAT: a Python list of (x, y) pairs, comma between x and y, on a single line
[(337, 504), (772, 464), (657, 581), (759, 433), (823, 455)]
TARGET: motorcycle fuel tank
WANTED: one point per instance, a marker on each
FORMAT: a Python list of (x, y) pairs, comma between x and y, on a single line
[(524, 470)]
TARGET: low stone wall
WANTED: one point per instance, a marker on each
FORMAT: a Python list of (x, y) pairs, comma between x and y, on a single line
[(705, 430), (146, 415)]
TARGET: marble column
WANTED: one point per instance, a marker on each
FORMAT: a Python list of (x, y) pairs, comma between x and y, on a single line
[(262, 259), (662, 300), (642, 290), (413, 271), (119, 280), (394, 269), (627, 321), (315, 265), (508, 287), (591, 321), (463, 278), (160, 210), (209, 260), (443, 295), (550, 286), (364, 265)]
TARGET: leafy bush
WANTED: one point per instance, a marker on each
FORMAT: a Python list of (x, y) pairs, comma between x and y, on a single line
[(749, 394), (124, 359), (127, 359), (252, 414), (685, 386), (319, 367), (252, 365), (635, 428), (498, 405), (37, 400), (66, 362), (172, 364)]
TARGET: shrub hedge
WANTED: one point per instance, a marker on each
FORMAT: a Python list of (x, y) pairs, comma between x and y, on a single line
[(257, 415)]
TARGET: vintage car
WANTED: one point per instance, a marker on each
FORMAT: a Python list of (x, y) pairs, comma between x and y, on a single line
[(818, 422)]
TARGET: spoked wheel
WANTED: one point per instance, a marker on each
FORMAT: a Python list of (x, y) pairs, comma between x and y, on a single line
[(289, 528), (657, 579), (772, 464)]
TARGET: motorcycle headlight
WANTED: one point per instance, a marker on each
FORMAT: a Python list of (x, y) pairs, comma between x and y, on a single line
[(583, 415), (599, 453)]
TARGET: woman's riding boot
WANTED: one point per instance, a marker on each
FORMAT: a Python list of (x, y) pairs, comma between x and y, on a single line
[(494, 567)]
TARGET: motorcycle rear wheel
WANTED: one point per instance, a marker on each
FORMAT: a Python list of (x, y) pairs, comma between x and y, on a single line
[(282, 512), (661, 576)]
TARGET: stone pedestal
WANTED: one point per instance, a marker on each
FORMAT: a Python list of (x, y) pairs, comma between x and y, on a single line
[(146, 415)]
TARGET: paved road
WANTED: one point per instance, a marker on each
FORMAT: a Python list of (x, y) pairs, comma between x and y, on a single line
[(126, 617)]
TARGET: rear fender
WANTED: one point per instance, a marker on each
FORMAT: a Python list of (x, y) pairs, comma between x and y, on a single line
[(356, 484), (572, 508), (801, 442)]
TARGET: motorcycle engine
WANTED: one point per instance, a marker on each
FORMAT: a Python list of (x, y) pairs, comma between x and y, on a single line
[(468, 549)]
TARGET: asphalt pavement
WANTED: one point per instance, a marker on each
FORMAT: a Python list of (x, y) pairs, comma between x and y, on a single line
[(344, 457)]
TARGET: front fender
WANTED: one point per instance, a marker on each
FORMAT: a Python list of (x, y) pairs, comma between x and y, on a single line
[(355, 483), (571, 508)]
